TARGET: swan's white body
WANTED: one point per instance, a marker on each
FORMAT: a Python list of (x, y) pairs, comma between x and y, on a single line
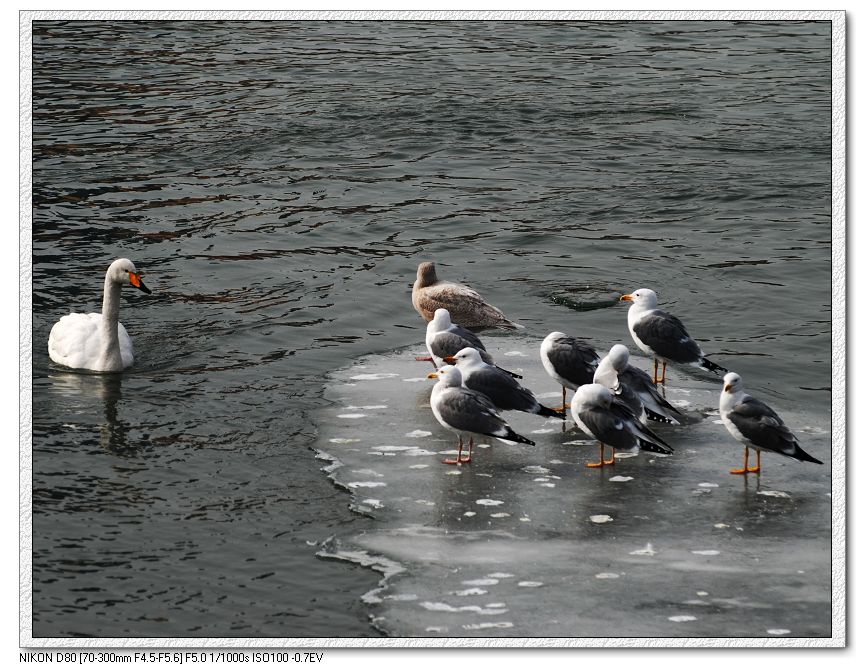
[(97, 341)]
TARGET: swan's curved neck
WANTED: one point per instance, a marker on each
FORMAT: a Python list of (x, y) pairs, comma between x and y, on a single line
[(110, 317)]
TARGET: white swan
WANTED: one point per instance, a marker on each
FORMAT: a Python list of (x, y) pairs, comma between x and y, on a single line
[(97, 341)]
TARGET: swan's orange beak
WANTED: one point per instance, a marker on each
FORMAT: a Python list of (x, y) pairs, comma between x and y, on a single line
[(135, 280), (626, 298)]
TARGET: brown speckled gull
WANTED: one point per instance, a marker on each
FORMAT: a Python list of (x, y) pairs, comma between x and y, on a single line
[(467, 308)]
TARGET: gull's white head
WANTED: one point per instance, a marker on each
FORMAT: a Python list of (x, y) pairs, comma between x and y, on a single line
[(124, 271), (465, 357), (441, 319), (619, 357), (593, 394), (733, 383), (448, 376), (642, 298)]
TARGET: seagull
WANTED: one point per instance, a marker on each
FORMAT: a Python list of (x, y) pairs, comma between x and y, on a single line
[(634, 387), (467, 412), (608, 375), (600, 415), (466, 306), (753, 423), (444, 338), (662, 335), (505, 392), (569, 362)]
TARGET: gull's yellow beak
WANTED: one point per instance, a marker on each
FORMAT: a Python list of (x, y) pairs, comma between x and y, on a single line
[(626, 298), (728, 388), (450, 359), (432, 375)]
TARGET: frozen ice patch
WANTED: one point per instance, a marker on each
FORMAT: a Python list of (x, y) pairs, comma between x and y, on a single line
[(530, 583), (418, 433), (445, 607), (621, 478), (625, 455), (682, 618), (542, 431), (779, 495), (706, 553), (419, 466), (600, 519), (367, 483), (500, 575), (351, 416), (721, 525), (488, 625), (375, 474), (499, 515), (474, 591), (489, 502), (373, 376), (606, 576), (708, 484), (343, 441), (469, 513), (647, 551), (481, 582), (373, 503), (514, 353), (536, 469), (778, 632)]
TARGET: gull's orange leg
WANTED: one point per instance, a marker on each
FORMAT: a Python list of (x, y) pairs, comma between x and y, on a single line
[(612, 460), (458, 460), (468, 460), (565, 404), (744, 468), (655, 371), (755, 469), (600, 462), (664, 373)]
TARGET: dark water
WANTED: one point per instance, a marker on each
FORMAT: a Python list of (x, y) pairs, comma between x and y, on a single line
[(278, 184)]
